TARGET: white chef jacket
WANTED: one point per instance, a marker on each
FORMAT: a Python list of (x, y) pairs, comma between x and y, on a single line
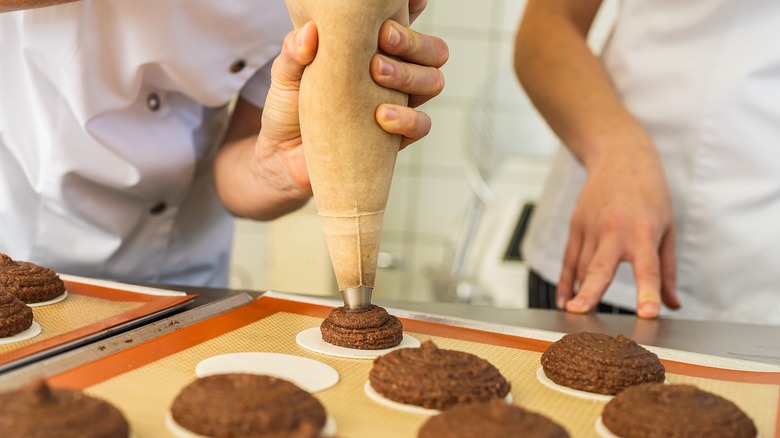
[(110, 115), (703, 77)]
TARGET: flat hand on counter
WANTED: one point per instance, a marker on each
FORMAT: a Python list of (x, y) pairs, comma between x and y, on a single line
[(417, 73), (624, 213)]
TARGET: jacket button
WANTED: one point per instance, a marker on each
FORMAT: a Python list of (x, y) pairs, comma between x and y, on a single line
[(153, 101), (158, 208), (237, 66)]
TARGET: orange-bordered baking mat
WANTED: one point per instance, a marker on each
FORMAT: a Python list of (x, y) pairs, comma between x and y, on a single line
[(89, 310), (144, 379)]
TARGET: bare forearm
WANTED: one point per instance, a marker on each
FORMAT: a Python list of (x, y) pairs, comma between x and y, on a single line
[(249, 188), (568, 83), (18, 5), (253, 181)]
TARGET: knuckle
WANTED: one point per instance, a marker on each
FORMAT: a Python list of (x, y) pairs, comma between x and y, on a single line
[(647, 296), (408, 78), (613, 223), (410, 44), (648, 229), (651, 273)]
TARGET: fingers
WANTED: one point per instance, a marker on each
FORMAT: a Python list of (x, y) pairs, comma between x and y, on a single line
[(412, 46), (654, 271), (420, 83), (600, 272), (410, 123), (585, 258), (417, 72), (565, 289), (647, 271), (669, 271)]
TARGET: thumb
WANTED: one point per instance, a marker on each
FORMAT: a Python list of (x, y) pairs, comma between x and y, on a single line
[(298, 51), (280, 113)]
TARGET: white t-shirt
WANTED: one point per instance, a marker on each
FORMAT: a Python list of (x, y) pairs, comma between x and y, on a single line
[(703, 77), (111, 112)]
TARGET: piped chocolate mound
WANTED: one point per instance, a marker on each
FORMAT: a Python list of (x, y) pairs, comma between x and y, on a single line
[(658, 410), (369, 329), (493, 418), (15, 316), (29, 282), (435, 378), (600, 363), (42, 412), (248, 405)]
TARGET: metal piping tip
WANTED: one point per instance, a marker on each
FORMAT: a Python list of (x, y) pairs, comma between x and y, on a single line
[(356, 298)]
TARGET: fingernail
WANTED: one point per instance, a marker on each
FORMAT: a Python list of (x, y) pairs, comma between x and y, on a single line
[(561, 303), (391, 114), (648, 310), (393, 37), (578, 304), (385, 67)]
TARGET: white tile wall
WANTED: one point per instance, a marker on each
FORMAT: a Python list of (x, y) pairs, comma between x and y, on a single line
[(463, 14), (467, 67), (444, 148), (430, 192), (509, 12), (249, 258), (398, 204)]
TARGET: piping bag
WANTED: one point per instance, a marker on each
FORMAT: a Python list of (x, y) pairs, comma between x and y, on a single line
[(350, 158)]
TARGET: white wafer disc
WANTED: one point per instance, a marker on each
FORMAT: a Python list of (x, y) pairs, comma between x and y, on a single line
[(309, 374), (31, 332), (54, 300), (311, 339), (570, 391)]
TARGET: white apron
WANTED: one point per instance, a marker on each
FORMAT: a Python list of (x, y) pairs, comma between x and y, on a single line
[(703, 77), (110, 115)]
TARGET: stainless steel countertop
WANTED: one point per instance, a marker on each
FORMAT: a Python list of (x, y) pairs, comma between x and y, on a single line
[(757, 343)]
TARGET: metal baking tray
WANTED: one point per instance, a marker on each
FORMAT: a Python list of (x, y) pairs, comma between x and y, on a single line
[(92, 309)]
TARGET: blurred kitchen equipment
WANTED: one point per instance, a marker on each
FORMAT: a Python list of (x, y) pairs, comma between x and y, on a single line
[(510, 147)]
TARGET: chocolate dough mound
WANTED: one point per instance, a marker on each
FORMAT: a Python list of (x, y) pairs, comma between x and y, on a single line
[(368, 329), (599, 363), (15, 316), (659, 410), (29, 282), (248, 405), (435, 378), (43, 412), (491, 419)]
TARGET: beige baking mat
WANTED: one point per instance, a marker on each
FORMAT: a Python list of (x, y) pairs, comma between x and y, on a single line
[(87, 310), (74, 312), (145, 388)]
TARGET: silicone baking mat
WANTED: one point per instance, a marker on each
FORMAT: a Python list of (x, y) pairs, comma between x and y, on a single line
[(92, 307), (144, 379)]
